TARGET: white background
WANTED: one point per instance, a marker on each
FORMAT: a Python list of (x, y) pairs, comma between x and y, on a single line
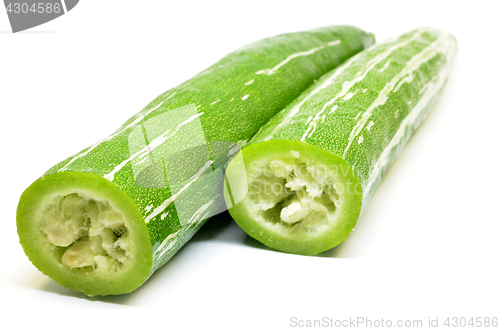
[(427, 245)]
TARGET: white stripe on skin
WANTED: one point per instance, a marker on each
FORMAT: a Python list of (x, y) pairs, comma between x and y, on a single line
[(167, 202), (415, 62), (148, 148), (163, 248), (295, 55), (135, 122), (347, 85), (447, 47)]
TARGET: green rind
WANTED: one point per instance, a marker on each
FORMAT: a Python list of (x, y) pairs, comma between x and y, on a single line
[(302, 243), (228, 103), (39, 251), (364, 111)]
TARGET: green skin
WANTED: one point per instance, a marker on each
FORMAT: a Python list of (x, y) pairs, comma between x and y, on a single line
[(38, 249), (299, 242), (167, 192), (357, 118)]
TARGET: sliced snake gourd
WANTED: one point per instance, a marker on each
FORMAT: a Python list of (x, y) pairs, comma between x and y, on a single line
[(102, 221), (303, 181)]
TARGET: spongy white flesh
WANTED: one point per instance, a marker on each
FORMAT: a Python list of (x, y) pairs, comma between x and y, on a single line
[(293, 194), (86, 231)]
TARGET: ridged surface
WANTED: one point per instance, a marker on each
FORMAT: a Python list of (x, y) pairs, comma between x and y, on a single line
[(160, 157), (366, 110)]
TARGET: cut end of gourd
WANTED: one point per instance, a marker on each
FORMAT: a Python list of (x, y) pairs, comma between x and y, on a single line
[(87, 232), (293, 195), (298, 199)]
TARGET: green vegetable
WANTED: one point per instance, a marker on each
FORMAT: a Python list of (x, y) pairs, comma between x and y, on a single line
[(102, 221), (302, 182)]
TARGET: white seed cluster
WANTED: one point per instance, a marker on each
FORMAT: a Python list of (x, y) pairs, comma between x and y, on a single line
[(289, 191), (90, 231)]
